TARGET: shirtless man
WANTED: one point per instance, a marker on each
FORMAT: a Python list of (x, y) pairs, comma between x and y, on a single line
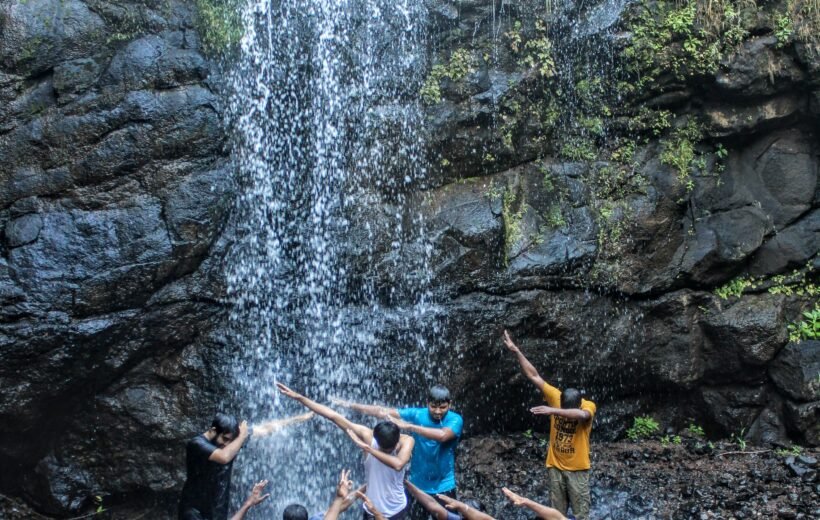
[(387, 453)]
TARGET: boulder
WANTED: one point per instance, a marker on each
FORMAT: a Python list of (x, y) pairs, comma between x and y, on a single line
[(795, 371)]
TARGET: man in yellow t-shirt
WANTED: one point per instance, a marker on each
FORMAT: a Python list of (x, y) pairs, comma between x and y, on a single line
[(570, 425)]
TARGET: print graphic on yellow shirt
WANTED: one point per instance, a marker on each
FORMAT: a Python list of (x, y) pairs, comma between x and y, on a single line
[(569, 440)]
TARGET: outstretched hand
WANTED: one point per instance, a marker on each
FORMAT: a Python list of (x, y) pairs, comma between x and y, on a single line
[(542, 410), (256, 497), (508, 342), (516, 499), (369, 504), (345, 485), (401, 423), (287, 392), (449, 503)]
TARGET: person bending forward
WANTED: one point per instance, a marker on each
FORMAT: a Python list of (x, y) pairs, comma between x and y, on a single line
[(387, 454)]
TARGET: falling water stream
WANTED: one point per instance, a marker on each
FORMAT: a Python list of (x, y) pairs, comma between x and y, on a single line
[(327, 149)]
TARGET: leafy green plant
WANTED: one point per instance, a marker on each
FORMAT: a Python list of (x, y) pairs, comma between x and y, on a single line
[(679, 152), (538, 52), (670, 439), (642, 427), (808, 328), (695, 430), (512, 223), (220, 25), (458, 67), (794, 451), (783, 30), (528, 434), (738, 438), (734, 287)]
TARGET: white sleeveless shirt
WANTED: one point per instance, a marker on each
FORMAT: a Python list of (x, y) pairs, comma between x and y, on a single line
[(385, 485)]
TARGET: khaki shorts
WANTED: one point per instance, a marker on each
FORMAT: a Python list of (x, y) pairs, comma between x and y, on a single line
[(570, 488)]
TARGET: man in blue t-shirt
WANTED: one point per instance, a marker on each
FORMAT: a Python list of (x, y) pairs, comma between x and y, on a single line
[(437, 431)]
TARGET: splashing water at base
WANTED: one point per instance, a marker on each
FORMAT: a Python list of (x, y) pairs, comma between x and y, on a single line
[(327, 148)]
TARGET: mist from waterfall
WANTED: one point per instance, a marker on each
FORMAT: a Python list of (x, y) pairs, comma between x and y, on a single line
[(328, 152)]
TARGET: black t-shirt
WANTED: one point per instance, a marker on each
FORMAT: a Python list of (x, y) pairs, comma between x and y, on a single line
[(208, 484)]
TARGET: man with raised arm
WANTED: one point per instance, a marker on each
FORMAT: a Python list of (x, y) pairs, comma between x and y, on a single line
[(387, 454), (436, 430), (209, 461), (570, 425)]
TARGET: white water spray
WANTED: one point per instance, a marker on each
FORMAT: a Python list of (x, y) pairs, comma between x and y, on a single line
[(328, 150)]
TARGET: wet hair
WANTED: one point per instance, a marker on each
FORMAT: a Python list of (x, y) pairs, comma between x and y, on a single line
[(387, 435), (438, 394), (295, 512), (224, 423), (570, 398), (475, 504)]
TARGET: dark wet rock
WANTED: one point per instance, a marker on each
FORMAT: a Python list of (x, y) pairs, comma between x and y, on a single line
[(795, 370), (75, 77), (803, 419), (758, 69), (23, 230), (790, 248), (750, 331), (115, 192), (739, 120), (39, 34)]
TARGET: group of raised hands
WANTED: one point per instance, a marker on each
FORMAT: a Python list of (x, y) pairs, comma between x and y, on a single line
[(346, 496)]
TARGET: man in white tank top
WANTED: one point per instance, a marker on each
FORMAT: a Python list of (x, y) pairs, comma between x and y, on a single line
[(387, 452)]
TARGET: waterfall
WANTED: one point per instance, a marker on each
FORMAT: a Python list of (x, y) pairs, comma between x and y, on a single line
[(328, 153)]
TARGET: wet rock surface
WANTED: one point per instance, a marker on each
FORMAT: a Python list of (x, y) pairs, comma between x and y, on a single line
[(116, 190), (649, 480), (114, 184)]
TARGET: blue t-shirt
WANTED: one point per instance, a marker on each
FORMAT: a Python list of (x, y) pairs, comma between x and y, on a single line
[(433, 466)]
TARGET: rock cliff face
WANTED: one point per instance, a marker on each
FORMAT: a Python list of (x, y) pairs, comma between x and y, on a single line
[(114, 191), (636, 200), (634, 194)]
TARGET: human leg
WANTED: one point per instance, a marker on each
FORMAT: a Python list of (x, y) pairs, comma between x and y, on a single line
[(558, 490), (579, 496)]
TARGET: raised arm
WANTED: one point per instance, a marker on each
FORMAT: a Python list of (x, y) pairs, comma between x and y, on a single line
[(526, 366), (576, 414), (463, 509), (382, 412), (266, 428), (397, 461), (437, 434), (228, 453), (544, 512), (427, 502), (256, 497), (328, 413)]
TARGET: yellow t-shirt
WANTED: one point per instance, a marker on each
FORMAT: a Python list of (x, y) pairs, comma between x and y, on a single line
[(569, 440)]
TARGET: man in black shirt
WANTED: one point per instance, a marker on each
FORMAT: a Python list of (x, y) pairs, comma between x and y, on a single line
[(209, 461)]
